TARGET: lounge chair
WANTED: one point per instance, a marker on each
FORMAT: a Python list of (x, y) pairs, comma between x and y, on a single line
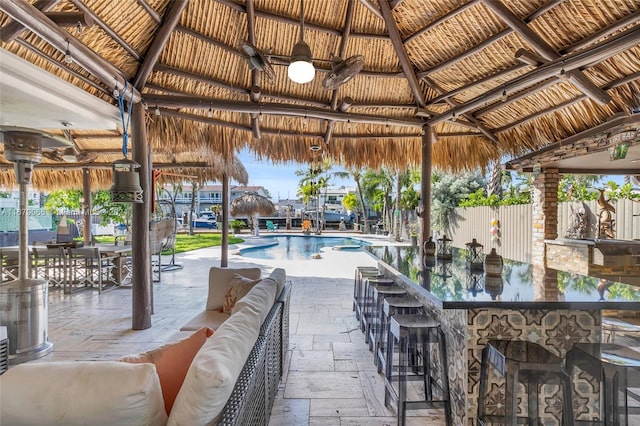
[(271, 227)]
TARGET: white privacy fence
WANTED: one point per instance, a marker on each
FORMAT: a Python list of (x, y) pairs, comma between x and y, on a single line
[(516, 226)]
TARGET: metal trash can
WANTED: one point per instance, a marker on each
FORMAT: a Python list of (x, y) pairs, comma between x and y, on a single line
[(24, 311)]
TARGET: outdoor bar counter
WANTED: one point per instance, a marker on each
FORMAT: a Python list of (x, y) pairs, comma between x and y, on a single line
[(552, 308)]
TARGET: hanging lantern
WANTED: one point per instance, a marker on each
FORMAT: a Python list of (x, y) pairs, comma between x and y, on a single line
[(493, 263), (126, 182), (444, 248), (474, 282), (430, 248), (475, 256), (126, 179), (493, 286)]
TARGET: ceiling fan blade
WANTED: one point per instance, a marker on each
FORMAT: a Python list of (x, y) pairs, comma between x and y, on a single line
[(343, 72), (87, 157), (256, 59)]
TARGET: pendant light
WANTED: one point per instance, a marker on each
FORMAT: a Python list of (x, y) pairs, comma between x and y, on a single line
[(301, 68)]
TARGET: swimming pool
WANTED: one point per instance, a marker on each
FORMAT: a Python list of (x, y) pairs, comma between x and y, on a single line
[(292, 247)]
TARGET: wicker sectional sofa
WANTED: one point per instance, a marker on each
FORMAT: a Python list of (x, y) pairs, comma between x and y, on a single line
[(231, 377)]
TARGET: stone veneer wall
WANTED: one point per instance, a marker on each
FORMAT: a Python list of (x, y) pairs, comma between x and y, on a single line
[(544, 202), (572, 258)]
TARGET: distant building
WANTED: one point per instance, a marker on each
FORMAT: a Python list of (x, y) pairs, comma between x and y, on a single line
[(208, 196)]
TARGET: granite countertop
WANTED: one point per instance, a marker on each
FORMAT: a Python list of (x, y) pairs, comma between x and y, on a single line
[(520, 286)]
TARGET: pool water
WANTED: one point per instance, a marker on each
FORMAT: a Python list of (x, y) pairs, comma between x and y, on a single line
[(291, 247)]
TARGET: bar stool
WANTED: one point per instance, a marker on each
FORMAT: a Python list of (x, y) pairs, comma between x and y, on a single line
[(367, 301), (393, 305), (362, 272), (519, 362), (380, 292), (410, 333), (617, 368)]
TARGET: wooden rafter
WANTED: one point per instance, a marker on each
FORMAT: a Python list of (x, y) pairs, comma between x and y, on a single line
[(405, 63), (37, 22), (545, 50), (159, 41), (295, 22), (150, 10), (598, 53), (334, 93), (12, 29), (104, 27), (254, 93), (472, 120), (196, 102), (440, 20)]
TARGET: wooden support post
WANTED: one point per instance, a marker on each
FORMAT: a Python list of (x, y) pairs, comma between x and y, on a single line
[(428, 138), (86, 206), (224, 257), (140, 250)]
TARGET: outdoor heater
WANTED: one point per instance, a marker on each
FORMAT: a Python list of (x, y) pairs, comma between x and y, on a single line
[(25, 300)]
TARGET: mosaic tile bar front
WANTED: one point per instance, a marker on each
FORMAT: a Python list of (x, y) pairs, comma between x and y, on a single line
[(468, 330)]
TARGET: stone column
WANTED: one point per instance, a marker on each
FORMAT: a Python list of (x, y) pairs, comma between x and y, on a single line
[(544, 199)]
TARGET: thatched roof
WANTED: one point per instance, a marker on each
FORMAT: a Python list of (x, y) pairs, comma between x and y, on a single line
[(491, 78), (250, 204)]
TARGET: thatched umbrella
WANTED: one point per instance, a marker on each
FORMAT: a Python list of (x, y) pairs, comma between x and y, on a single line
[(252, 204)]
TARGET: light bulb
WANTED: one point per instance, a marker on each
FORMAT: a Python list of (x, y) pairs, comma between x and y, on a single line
[(157, 111), (504, 96), (68, 58)]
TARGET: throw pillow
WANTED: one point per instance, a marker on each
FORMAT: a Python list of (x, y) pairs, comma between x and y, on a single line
[(240, 286), (172, 362)]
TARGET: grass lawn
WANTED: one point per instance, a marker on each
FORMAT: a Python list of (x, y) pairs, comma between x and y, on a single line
[(186, 242)]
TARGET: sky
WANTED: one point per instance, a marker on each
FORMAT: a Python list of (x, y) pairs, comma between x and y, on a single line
[(280, 180)]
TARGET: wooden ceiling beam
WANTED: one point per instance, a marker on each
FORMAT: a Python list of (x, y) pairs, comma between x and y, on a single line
[(472, 120), (104, 27), (545, 50), (632, 19), (195, 102), (544, 9), (442, 19), (14, 28), (604, 50), (501, 103), (467, 53), (296, 21), (483, 80), (372, 8), (63, 66), (395, 3), (150, 10), (255, 92), (538, 114), (37, 22), (160, 39), (405, 62), (346, 31), (541, 86), (71, 19)]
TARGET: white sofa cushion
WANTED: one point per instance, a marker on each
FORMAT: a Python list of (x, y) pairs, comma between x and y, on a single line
[(214, 371), (211, 319), (81, 393), (220, 281)]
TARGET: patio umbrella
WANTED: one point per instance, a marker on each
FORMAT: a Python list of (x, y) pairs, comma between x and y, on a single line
[(250, 204)]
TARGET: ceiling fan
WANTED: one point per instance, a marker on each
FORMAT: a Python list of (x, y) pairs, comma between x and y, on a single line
[(71, 155), (300, 63)]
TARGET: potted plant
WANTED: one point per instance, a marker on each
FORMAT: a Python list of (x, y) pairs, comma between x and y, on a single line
[(237, 226), (414, 228)]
